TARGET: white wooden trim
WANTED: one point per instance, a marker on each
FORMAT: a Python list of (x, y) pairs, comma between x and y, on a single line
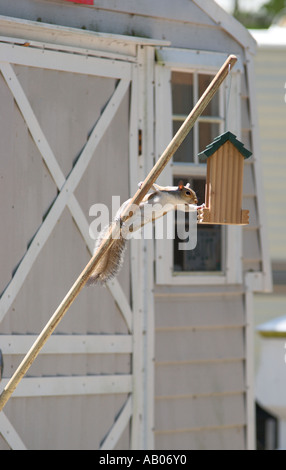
[(142, 258), (137, 274), (163, 135), (195, 278), (68, 386), (204, 61), (163, 107), (234, 248), (9, 434), (66, 48), (67, 189), (63, 62), (118, 427), (180, 168), (68, 344), (266, 284), (146, 261), (68, 35)]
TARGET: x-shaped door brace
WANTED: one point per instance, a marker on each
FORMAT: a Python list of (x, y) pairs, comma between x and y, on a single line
[(65, 198), (66, 187)]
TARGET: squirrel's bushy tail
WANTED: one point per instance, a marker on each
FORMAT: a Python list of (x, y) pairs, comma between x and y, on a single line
[(111, 261)]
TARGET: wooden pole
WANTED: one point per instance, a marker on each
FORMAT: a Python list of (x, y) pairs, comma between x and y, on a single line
[(115, 229)]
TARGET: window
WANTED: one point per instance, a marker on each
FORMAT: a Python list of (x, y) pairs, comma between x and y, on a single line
[(207, 256), (186, 90), (182, 76)]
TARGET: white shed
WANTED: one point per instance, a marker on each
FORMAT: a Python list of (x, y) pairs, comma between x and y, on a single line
[(161, 358)]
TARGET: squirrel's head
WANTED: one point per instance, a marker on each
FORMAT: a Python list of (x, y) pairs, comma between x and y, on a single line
[(187, 194)]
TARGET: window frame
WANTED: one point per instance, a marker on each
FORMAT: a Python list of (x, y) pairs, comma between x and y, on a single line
[(182, 60)]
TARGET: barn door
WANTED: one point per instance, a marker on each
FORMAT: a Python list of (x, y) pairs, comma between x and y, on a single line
[(68, 124)]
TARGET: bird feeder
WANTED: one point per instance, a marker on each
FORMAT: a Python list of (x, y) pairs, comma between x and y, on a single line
[(224, 184)]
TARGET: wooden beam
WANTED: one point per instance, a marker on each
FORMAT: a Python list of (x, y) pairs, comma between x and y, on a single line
[(54, 60), (69, 344), (73, 386), (115, 230)]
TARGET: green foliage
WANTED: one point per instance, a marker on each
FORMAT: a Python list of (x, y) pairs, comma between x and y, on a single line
[(262, 18), (274, 6)]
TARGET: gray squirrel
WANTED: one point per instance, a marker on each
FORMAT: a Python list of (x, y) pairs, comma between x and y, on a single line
[(155, 204)]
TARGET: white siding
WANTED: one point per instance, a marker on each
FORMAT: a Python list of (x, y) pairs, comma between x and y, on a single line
[(200, 381), (270, 67)]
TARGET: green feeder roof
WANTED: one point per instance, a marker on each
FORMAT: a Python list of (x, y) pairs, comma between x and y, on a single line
[(220, 140)]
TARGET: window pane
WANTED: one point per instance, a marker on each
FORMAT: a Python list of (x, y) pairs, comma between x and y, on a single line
[(207, 132), (182, 93), (212, 108), (185, 152), (207, 255)]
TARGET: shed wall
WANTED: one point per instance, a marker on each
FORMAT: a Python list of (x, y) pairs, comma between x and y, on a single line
[(270, 71), (200, 371)]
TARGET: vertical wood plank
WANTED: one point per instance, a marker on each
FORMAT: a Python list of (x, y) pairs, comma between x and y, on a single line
[(224, 171), (234, 189), (148, 257), (218, 182), (136, 271), (240, 162), (213, 165), (229, 215)]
